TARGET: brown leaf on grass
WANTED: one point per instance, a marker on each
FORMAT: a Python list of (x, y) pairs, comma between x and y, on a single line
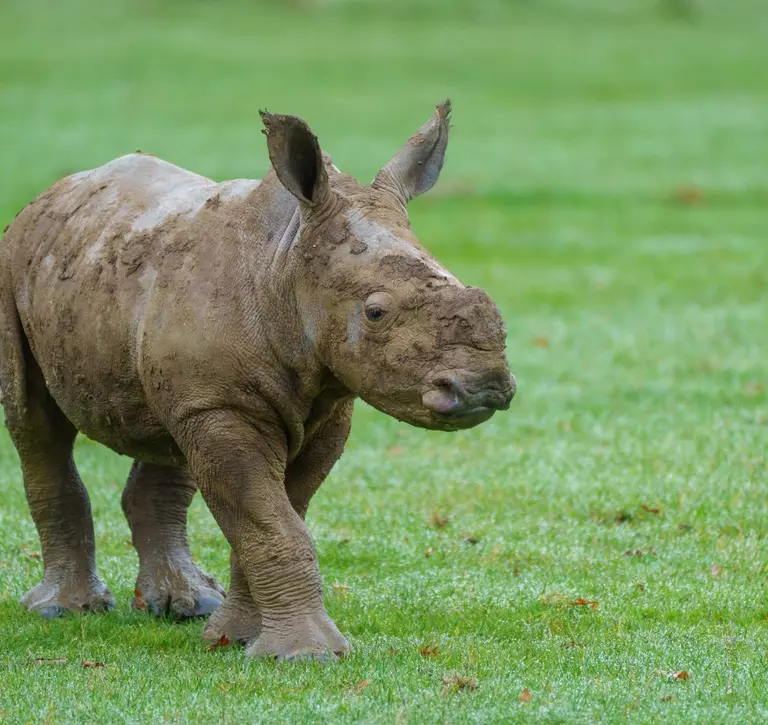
[(394, 652), (342, 590), (541, 341), (223, 641), (439, 521), (429, 552), (457, 683), (395, 451), (139, 602), (681, 675), (358, 688), (640, 587), (650, 509), (622, 517), (90, 664), (470, 539), (580, 602), (525, 696), (639, 552), (687, 195), (754, 388), (50, 661), (716, 570), (31, 554), (429, 650), (571, 644)]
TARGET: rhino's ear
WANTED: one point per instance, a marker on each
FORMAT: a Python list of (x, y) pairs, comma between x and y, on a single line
[(296, 157), (415, 168)]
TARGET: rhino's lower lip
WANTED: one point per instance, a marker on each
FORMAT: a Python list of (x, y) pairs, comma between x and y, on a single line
[(464, 416)]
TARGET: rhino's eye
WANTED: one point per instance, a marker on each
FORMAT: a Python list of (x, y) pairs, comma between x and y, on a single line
[(374, 313)]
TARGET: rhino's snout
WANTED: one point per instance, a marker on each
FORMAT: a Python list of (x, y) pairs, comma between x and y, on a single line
[(465, 400)]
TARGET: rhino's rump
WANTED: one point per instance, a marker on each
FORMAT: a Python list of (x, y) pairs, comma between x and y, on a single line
[(91, 257)]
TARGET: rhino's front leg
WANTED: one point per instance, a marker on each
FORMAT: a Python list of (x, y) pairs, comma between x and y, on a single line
[(241, 473), (238, 618), (155, 502)]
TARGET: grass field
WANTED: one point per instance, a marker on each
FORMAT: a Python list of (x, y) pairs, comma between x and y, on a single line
[(607, 183)]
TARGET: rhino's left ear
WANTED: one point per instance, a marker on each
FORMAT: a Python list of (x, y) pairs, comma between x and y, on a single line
[(415, 168), (296, 157)]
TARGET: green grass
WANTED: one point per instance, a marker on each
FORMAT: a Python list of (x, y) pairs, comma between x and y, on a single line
[(638, 328)]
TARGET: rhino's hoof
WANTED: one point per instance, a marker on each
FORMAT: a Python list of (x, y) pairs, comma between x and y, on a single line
[(179, 609), (52, 600), (324, 658), (52, 612), (312, 636)]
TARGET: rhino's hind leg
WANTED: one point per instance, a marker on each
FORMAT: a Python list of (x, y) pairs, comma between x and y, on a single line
[(155, 502), (58, 500)]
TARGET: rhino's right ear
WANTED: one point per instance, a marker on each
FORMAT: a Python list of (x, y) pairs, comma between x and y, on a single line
[(415, 168), (296, 157)]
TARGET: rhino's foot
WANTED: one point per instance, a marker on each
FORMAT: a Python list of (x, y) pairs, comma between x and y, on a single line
[(176, 589), (237, 619), (54, 597), (311, 636)]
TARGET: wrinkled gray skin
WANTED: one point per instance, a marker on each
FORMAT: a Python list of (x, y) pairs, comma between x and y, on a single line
[(218, 334)]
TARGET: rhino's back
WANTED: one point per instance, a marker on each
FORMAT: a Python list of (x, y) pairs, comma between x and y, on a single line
[(88, 259)]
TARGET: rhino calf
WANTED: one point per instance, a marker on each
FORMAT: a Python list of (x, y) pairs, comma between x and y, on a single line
[(218, 334)]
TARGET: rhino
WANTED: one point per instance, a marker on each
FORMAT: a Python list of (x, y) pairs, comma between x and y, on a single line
[(218, 334)]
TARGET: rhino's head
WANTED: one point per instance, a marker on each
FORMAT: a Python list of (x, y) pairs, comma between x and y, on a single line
[(390, 322)]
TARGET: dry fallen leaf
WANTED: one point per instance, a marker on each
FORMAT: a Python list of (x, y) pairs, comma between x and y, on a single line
[(640, 587), (138, 600), (358, 688), (687, 195), (30, 553), (456, 683), (571, 644), (525, 695), (470, 539), (580, 602), (639, 552), (342, 590), (439, 521), (429, 650), (650, 509), (715, 570), (223, 641), (394, 652), (681, 675), (91, 664)]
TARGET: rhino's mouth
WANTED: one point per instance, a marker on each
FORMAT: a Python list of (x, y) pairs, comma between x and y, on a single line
[(465, 419), (461, 401)]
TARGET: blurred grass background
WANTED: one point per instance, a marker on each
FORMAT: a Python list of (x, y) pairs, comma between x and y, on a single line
[(607, 183)]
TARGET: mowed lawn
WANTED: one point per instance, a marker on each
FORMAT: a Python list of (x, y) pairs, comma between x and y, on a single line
[(607, 183)]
